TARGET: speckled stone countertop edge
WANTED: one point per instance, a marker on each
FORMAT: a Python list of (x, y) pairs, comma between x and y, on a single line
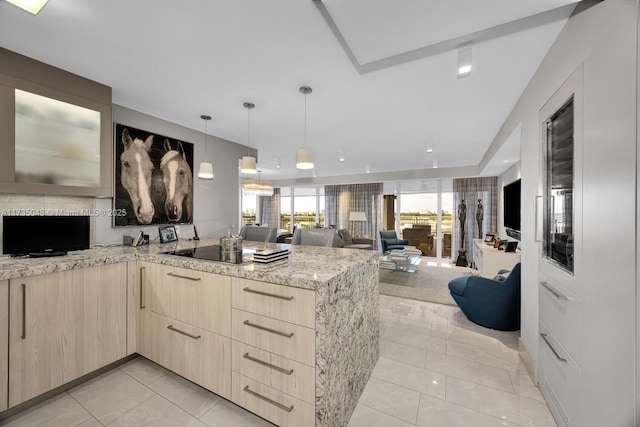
[(307, 267)]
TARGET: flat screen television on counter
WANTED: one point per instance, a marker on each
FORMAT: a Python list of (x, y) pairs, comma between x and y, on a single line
[(511, 212), (44, 235)]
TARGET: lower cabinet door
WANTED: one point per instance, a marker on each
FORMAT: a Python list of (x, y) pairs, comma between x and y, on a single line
[(196, 354), (294, 378), (273, 405), (64, 325), (560, 380)]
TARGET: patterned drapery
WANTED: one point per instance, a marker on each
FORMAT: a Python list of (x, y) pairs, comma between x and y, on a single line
[(473, 191), (341, 200), (270, 209)]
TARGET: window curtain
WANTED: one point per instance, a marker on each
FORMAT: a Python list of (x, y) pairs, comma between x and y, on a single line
[(270, 209), (475, 192), (341, 200)]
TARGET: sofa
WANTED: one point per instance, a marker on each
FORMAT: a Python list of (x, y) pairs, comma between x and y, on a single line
[(492, 303), (346, 241)]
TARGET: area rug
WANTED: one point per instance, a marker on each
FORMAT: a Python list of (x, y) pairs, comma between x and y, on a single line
[(428, 283)]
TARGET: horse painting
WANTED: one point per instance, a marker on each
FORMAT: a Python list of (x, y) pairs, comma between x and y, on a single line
[(135, 175), (178, 183)]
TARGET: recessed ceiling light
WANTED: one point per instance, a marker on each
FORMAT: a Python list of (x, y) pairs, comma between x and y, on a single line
[(341, 156), (429, 148), (435, 163), (464, 60), (368, 170), (32, 6)]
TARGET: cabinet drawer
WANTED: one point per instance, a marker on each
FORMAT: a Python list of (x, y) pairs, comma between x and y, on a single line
[(560, 381), (273, 405), (275, 336), (280, 373), (561, 312), (286, 303), (194, 297), (196, 354)]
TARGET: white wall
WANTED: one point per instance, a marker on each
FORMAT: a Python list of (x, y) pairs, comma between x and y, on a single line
[(602, 36)]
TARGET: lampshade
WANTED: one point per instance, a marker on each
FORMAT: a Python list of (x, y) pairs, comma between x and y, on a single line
[(32, 6), (257, 187), (205, 171), (357, 216), (304, 159), (248, 165)]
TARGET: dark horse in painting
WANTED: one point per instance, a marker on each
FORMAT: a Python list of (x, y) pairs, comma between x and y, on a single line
[(136, 175), (178, 183)]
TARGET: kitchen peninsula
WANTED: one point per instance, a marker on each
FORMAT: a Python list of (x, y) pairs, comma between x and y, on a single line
[(293, 341)]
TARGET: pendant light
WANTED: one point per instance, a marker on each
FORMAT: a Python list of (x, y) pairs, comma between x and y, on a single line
[(248, 164), (304, 159), (206, 169)]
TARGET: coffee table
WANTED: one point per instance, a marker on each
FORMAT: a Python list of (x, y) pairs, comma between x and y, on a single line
[(405, 260)]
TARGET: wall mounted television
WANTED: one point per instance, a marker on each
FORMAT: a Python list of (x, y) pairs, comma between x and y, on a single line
[(511, 209), (44, 235)]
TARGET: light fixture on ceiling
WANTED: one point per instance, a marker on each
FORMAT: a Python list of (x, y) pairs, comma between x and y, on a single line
[(341, 156), (205, 171), (368, 169), (435, 163), (464, 60), (248, 164), (32, 6), (304, 158), (278, 164), (429, 148), (257, 187)]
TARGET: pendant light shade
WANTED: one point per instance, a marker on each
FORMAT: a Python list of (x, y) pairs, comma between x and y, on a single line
[(248, 164), (205, 171), (304, 159)]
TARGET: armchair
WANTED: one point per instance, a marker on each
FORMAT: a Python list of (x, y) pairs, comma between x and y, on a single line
[(491, 303), (389, 240), (259, 234)]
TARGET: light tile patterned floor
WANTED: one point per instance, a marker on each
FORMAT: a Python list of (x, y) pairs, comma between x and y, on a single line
[(436, 369)]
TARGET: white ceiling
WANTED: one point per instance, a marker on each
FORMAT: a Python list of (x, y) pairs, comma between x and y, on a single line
[(178, 60)]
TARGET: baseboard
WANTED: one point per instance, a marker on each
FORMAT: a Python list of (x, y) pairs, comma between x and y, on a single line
[(68, 386), (530, 366)]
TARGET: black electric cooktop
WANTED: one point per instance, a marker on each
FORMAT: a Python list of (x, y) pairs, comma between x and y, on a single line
[(211, 253)]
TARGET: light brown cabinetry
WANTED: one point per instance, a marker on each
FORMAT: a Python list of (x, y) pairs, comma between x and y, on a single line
[(273, 357), (4, 344), (186, 324), (64, 325)]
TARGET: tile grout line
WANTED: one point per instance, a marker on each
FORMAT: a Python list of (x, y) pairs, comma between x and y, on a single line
[(389, 415)]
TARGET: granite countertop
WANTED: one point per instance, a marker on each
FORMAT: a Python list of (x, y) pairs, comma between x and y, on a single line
[(307, 266)]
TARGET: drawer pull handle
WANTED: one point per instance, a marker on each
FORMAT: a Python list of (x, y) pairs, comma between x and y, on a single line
[(560, 358), (267, 294), (266, 399), (195, 279), (24, 311), (142, 270), (195, 337), (264, 328), (268, 365), (553, 291)]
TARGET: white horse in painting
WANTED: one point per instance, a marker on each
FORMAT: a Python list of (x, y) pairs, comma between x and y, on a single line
[(178, 183), (135, 175)]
